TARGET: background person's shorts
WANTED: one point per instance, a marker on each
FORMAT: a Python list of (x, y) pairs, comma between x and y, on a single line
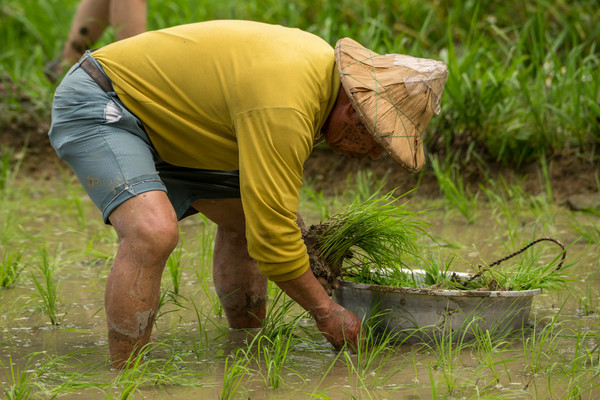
[(112, 156)]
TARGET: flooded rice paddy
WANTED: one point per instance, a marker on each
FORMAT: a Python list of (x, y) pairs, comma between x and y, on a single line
[(194, 355)]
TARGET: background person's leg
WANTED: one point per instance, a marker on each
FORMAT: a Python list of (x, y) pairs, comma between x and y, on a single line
[(88, 24), (242, 290), (128, 17), (147, 228)]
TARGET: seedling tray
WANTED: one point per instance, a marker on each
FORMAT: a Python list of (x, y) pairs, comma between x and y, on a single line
[(422, 314)]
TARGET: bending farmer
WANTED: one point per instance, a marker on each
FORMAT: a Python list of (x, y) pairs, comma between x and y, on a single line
[(218, 118)]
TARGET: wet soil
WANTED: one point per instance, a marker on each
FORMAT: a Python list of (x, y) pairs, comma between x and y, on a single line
[(572, 176), (326, 271)]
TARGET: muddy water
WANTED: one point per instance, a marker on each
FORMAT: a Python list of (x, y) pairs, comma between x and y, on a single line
[(76, 350)]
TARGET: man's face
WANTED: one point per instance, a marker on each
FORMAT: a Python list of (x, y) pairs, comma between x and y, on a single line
[(347, 135)]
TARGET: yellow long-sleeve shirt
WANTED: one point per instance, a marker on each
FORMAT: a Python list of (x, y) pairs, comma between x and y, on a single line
[(235, 95)]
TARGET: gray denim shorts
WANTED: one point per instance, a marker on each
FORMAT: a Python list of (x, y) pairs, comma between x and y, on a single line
[(113, 158)]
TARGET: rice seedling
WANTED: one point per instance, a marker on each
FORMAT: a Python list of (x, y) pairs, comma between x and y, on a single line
[(368, 237), (541, 344), (73, 373), (545, 179), (372, 363), (447, 346), (174, 266), (131, 378), (10, 164), (322, 376), (588, 302), (235, 371), (169, 298), (10, 267), (320, 396), (450, 377), (317, 198), (454, 190), (207, 234), (437, 269), (505, 198), (575, 374), (357, 378), (366, 185), (79, 211), (9, 225), (588, 232), (146, 370), (64, 374), (584, 353), (276, 340), (99, 257), (280, 319), (19, 385), (207, 289), (487, 349), (273, 354), (47, 285), (532, 273), (201, 342)]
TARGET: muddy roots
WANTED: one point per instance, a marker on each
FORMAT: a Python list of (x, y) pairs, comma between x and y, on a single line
[(325, 271)]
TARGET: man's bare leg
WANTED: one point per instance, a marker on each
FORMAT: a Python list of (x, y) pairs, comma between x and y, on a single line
[(242, 290), (338, 325), (148, 233)]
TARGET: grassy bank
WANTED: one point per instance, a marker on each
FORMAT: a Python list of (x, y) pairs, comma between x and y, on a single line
[(523, 75)]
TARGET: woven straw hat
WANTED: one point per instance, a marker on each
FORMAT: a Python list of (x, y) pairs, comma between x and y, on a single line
[(394, 95)]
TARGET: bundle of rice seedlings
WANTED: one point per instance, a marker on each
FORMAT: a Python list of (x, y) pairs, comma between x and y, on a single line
[(364, 240)]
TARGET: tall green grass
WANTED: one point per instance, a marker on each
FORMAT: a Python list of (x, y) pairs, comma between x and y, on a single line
[(522, 78)]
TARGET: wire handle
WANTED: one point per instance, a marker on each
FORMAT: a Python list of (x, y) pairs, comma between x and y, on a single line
[(516, 253)]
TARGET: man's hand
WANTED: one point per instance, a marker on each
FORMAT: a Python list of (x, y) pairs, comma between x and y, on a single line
[(340, 327)]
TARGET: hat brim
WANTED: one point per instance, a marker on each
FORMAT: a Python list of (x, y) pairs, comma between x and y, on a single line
[(395, 97)]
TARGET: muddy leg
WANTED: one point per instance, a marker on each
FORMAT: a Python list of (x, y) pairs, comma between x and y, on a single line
[(128, 17), (89, 22), (242, 290), (147, 230)]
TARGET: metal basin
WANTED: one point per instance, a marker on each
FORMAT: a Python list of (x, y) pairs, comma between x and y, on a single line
[(415, 315)]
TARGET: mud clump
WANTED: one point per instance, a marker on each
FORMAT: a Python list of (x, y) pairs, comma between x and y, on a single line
[(326, 272)]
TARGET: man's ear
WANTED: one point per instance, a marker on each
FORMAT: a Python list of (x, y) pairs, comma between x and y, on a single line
[(349, 111)]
